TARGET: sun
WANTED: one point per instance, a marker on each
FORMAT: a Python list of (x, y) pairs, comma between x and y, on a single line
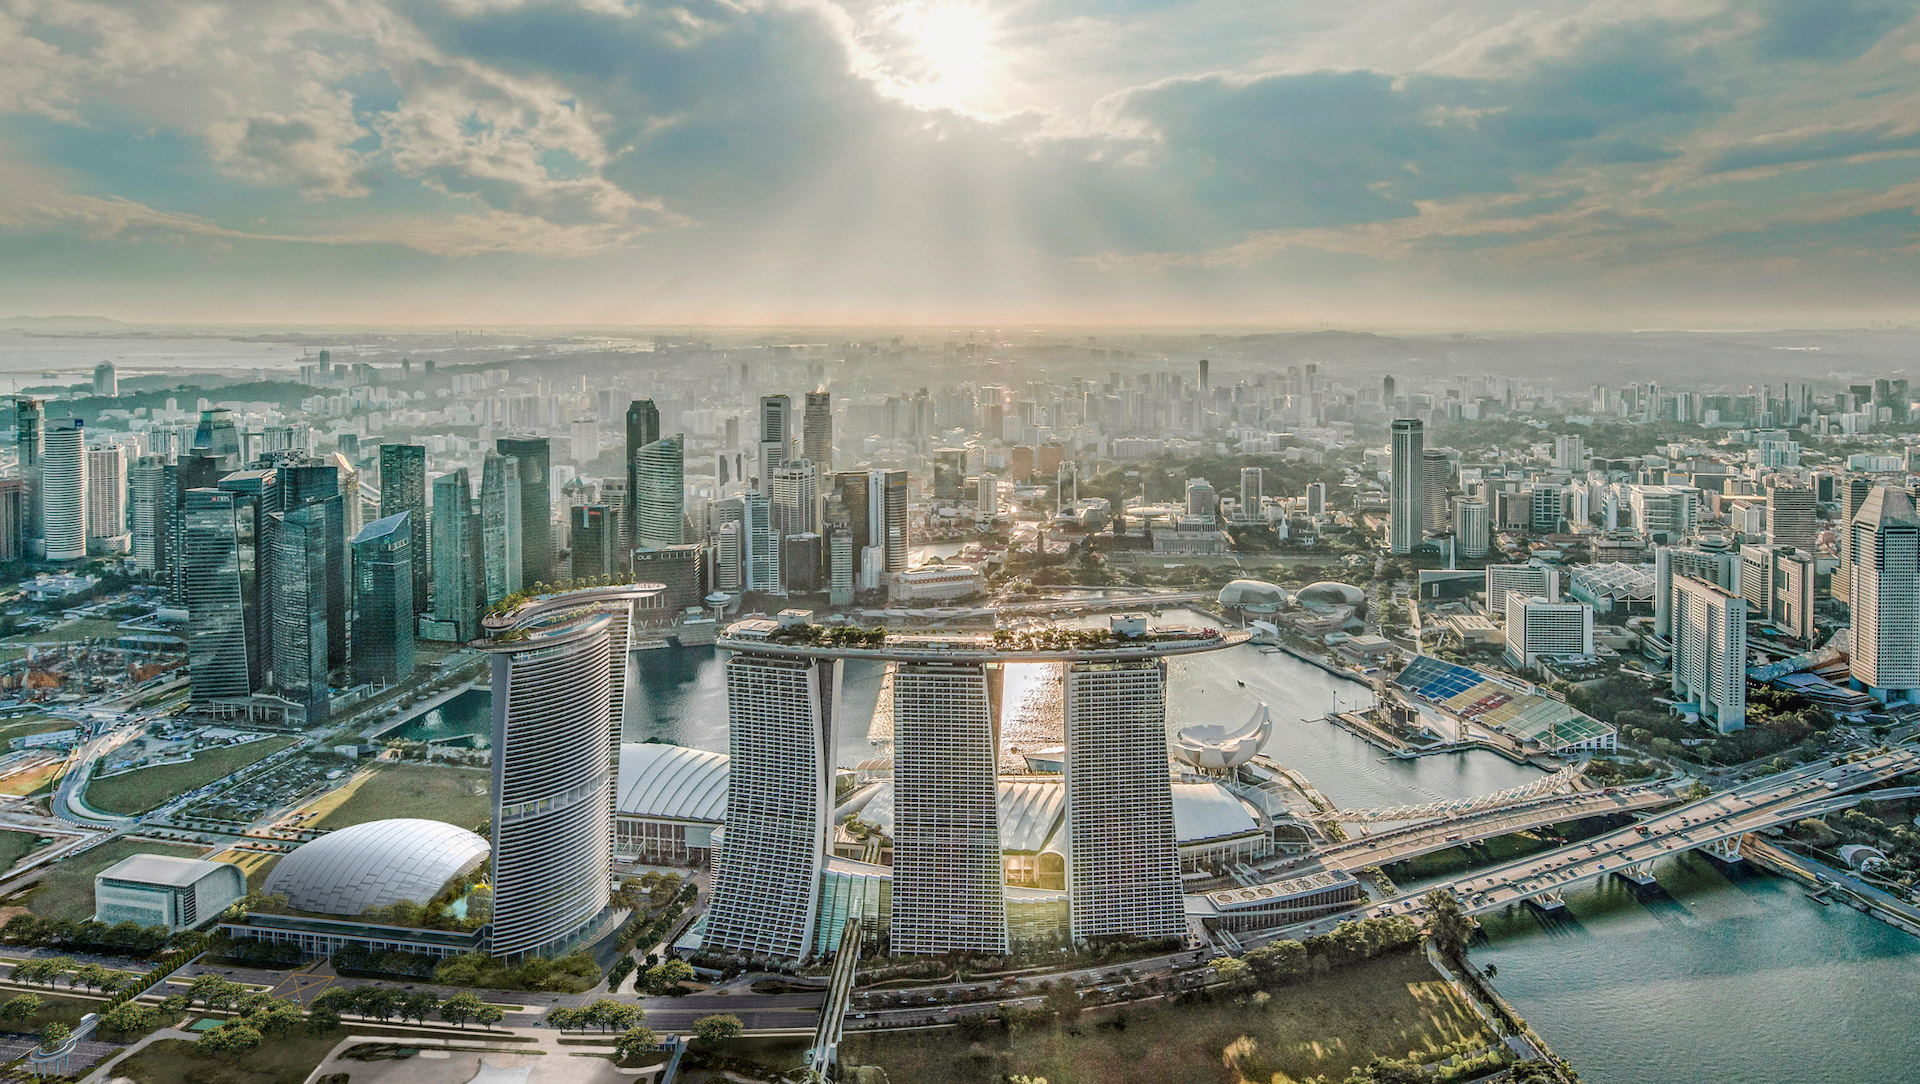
[(951, 49)]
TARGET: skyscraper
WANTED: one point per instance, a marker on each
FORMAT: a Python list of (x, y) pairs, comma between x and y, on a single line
[(1252, 489), (949, 473), (776, 434), (1123, 873), (63, 499), (887, 516), (1883, 543), (759, 545), (303, 559), (149, 506), (536, 505), (107, 496), (319, 484), (1436, 470), (795, 496), (1791, 517), (216, 436), (589, 527), (947, 869), (1709, 650), (661, 500), (30, 445), (383, 611), (105, 381), (817, 443), (217, 650), (1406, 503), (256, 497), (643, 428), (189, 473), (766, 878), (500, 523), (403, 488), (458, 589)]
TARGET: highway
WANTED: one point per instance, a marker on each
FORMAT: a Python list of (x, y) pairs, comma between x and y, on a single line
[(1411, 841), (1718, 820)]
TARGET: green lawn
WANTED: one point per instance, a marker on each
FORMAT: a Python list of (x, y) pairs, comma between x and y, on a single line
[(437, 792), (21, 726), (87, 628), (67, 891), (1320, 1026), (17, 845), (280, 1060), (144, 788)]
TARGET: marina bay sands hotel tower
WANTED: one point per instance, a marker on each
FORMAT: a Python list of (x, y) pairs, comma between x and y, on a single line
[(947, 889)]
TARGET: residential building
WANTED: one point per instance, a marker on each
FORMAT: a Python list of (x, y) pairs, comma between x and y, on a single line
[(63, 499), (1406, 493)]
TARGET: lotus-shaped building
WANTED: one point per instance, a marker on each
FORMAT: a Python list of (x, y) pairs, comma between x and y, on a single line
[(1215, 748)]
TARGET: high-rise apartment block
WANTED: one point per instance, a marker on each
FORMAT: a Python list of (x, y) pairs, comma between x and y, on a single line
[(1710, 651), (1406, 493)]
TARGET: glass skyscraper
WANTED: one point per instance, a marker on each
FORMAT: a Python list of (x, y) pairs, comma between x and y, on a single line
[(383, 601), (457, 584), (500, 559), (403, 488), (536, 505), (217, 649), (303, 561)]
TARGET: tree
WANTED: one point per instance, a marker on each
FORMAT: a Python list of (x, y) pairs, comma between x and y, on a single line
[(721, 1027), (633, 1042), (231, 1039), (321, 1020), (92, 976), (20, 1008), (460, 1008), (275, 1017), (488, 1015), (128, 1017), (613, 1015), (564, 1017), (1450, 928), (418, 1006), (52, 1034), (668, 974), (377, 1001), (1236, 974)]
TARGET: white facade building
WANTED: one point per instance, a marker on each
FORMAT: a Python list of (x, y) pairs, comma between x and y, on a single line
[(1710, 651), (1883, 545), (1406, 494), (1537, 628), (63, 487), (1527, 581)]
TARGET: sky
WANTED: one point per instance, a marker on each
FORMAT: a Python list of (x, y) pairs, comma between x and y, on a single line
[(1274, 163)]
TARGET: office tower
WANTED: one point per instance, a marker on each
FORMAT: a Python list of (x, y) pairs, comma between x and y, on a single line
[(1756, 576), (759, 545), (1710, 651), (591, 527), (458, 587), (1204, 383), (680, 569), (13, 519), (559, 683), (643, 428), (218, 653), (766, 877), (1883, 542), (795, 496), (800, 562), (1527, 581), (500, 521), (256, 497), (1386, 390), (1570, 453), (949, 472), (1436, 470), (729, 568), (1202, 500), (216, 436), (776, 434), (947, 869), (536, 505), (1791, 517), (986, 495), (1543, 508), (105, 381), (887, 516), (352, 503), (840, 566), (1406, 499), (403, 488), (149, 507), (1123, 874), (1537, 629), (1664, 513), (303, 558), (189, 473), (1795, 576), (107, 495), (383, 613), (1472, 526), (661, 503), (63, 498), (319, 484), (1252, 490), (816, 445), (30, 444), (849, 504), (1316, 498)]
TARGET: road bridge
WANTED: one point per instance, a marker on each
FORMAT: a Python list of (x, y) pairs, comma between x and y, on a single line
[(1559, 782), (1714, 824), (1414, 840)]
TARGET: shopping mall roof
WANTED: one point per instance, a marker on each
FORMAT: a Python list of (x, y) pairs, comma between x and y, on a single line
[(1208, 811)]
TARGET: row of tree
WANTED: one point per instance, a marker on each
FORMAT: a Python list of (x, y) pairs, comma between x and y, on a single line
[(113, 939)]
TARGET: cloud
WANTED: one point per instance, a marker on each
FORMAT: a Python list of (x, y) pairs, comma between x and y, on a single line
[(1828, 29), (1813, 145)]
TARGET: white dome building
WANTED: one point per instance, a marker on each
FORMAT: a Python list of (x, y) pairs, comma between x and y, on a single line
[(1254, 596), (1215, 748), (376, 864)]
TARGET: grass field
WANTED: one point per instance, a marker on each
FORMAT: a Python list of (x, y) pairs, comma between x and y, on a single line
[(143, 789), (437, 792), (21, 726), (16, 845), (67, 891), (36, 779), (282, 1060), (1324, 1025), (256, 864), (87, 628)]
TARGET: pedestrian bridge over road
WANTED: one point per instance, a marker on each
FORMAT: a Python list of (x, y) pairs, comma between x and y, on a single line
[(1713, 824)]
